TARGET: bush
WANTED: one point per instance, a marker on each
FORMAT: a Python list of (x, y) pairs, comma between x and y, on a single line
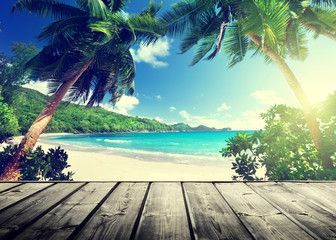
[(242, 148), (284, 148), (36, 165)]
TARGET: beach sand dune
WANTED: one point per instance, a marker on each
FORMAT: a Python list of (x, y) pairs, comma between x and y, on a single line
[(96, 166)]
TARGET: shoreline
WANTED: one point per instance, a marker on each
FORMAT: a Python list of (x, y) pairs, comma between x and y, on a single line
[(110, 166)]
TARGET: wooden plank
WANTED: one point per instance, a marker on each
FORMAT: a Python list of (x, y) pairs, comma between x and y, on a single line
[(319, 221), (63, 220), (20, 215), (164, 215), (7, 185), (116, 217), (261, 219), (322, 194), (13, 195), (211, 216)]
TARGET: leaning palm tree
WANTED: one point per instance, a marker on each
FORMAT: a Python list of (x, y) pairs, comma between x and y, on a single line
[(88, 56), (238, 26)]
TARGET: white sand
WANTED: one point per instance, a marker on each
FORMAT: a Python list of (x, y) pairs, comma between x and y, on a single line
[(93, 166)]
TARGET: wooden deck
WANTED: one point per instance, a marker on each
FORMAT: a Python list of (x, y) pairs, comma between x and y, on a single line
[(168, 210)]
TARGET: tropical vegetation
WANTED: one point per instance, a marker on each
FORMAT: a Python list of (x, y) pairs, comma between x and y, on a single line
[(8, 122), (88, 56), (284, 149), (87, 53), (73, 118), (12, 68), (266, 26), (37, 165)]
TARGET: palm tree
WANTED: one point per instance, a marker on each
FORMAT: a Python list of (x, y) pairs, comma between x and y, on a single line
[(88, 55), (238, 26), (316, 15)]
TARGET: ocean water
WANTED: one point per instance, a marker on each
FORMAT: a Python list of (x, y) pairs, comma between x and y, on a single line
[(198, 148)]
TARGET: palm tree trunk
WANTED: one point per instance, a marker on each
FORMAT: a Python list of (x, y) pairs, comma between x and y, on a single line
[(312, 124), (323, 32), (11, 172)]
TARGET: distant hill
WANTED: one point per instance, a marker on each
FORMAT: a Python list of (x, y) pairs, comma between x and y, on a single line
[(73, 118), (182, 127)]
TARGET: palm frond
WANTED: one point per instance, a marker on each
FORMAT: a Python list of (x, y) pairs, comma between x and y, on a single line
[(323, 3), (236, 44), (127, 72), (326, 18), (110, 29), (267, 19), (81, 90), (115, 5), (96, 8), (65, 32), (203, 47), (47, 8), (101, 86), (68, 73), (183, 15), (146, 28), (206, 25), (295, 40), (152, 9)]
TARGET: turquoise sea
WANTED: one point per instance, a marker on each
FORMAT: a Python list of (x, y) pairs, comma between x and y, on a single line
[(199, 148)]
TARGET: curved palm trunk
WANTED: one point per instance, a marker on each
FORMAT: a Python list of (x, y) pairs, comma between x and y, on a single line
[(11, 172), (312, 124)]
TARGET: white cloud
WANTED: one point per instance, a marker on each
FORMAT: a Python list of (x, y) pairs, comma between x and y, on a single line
[(249, 120), (267, 97), (172, 109), (159, 119), (222, 107), (210, 121), (38, 85), (249, 113), (150, 53), (124, 14), (246, 124), (125, 104), (158, 97)]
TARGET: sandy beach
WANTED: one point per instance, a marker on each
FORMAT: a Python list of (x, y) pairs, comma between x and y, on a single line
[(95, 166)]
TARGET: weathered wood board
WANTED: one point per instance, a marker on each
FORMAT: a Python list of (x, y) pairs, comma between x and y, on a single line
[(168, 210), (261, 219), (164, 215)]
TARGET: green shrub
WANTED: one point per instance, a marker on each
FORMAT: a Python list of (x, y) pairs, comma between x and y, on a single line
[(242, 148), (36, 165), (284, 149)]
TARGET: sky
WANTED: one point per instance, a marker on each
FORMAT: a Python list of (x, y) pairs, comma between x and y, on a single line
[(169, 90)]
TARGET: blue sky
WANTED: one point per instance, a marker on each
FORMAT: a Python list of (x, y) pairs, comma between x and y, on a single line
[(169, 90)]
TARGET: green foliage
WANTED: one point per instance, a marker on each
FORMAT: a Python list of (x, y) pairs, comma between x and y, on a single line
[(8, 122), (286, 145), (6, 155), (284, 149), (91, 33), (12, 69), (72, 118), (36, 165), (242, 148), (326, 111)]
